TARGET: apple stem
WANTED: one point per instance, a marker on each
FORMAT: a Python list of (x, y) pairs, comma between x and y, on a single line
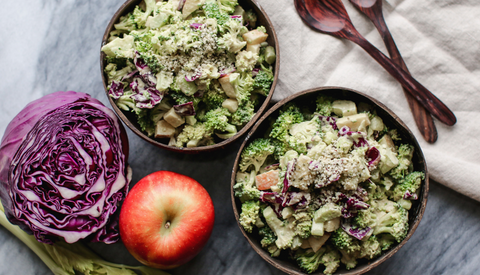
[(167, 225)]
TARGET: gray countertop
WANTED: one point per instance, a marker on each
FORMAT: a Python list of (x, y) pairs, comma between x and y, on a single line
[(51, 45)]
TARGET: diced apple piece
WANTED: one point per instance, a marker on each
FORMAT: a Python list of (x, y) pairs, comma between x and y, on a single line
[(317, 242), (230, 104), (163, 129), (173, 118), (287, 212), (387, 142), (191, 6), (332, 225), (172, 141), (388, 159), (255, 37), (266, 180), (190, 120), (227, 85), (344, 108), (376, 124), (255, 48), (354, 121), (318, 229), (305, 244)]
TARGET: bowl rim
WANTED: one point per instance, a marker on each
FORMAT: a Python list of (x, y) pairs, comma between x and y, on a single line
[(358, 269), (130, 4)]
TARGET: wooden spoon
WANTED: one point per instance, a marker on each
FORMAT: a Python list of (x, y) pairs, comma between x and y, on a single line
[(330, 17), (373, 10)]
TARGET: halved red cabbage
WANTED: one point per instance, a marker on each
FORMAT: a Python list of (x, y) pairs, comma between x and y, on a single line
[(63, 169)]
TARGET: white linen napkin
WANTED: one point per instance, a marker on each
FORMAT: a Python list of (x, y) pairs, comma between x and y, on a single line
[(439, 41)]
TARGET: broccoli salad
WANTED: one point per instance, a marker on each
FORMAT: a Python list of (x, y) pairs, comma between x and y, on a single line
[(327, 186), (193, 72)]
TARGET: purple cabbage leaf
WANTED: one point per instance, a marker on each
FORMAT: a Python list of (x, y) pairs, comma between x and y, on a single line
[(63, 169)]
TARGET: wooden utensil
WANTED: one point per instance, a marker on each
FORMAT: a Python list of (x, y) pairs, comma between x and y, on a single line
[(373, 10), (330, 17)]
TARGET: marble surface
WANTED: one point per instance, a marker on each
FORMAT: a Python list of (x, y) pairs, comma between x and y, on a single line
[(54, 45)]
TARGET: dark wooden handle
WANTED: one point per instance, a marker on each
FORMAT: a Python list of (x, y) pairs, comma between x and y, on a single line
[(331, 17), (423, 118), (436, 107)]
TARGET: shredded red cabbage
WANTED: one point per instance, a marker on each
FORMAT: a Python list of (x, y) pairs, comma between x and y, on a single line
[(373, 156), (116, 89), (410, 196), (145, 95), (185, 109), (196, 26), (193, 77), (356, 232)]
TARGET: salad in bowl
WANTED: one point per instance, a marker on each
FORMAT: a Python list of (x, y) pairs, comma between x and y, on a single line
[(329, 180), (190, 73)]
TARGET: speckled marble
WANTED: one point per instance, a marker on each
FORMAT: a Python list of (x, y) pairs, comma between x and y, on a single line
[(53, 45)]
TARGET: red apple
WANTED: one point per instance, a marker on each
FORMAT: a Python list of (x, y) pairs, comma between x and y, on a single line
[(166, 219)]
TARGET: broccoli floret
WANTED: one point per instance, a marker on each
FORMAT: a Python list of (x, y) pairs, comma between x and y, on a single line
[(331, 260), (404, 156), (145, 121), (365, 218), (120, 47), (386, 241), (126, 103), (140, 17), (127, 23), (249, 215), (243, 114), (245, 61), (263, 82), (302, 133), (179, 97), (303, 223), (280, 148), (212, 10), (245, 188), (410, 183), (243, 85), (217, 120), (308, 260), (324, 106), (114, 74), (327, 212), (194, 135), (143, 45), (232, 39), (392, 219), (370, 248), (262, 29), (213, 98), (282, 229), (343, 241), (251, 18), (288, 115), (349, 259), (268, 237), (256, 153), (227, 6), (375, 192)]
